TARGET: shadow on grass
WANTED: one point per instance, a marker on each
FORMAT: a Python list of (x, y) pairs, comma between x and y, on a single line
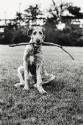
[(54, 86)]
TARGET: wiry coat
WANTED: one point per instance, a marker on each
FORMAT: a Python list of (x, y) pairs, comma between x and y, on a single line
[(33, 62)]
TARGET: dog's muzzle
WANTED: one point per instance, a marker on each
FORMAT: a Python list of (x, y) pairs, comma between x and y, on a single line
[(38, 42)]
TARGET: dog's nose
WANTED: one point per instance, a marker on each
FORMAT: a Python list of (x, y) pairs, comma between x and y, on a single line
[(38, 40)]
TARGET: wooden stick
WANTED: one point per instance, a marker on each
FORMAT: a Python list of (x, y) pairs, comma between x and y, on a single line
[(45, 44), (53, 44), (68, 53), (18, 44)]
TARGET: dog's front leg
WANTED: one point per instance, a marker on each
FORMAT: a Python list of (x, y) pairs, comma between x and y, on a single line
[(39, 81), (26, 76)]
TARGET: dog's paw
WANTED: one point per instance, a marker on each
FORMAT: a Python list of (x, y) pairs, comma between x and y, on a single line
[(35, 85), (18, 84), (41, 90), (52, 77), (26, 88)]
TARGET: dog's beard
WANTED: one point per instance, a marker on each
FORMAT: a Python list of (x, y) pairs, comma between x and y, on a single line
[(36, 45), (36, 48)]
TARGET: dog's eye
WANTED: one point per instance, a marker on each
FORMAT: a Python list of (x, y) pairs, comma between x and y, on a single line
[(34, 33), (40, 33)]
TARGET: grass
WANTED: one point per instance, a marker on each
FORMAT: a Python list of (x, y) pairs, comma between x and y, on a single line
[(63, 105)]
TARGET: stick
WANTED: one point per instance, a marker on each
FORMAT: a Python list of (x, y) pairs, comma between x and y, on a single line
[(18, 44), (68, 53), (44, 43), (53, 44)]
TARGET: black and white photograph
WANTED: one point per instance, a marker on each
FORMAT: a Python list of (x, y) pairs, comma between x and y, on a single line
[(41, 62)]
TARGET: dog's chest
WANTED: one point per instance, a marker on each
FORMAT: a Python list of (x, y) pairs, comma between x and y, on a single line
[(34, 57), (34, 60)]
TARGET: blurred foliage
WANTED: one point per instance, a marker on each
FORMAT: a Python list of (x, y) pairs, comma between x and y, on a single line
[(15, 35), (69, 36), (31, 13), (75, 11)]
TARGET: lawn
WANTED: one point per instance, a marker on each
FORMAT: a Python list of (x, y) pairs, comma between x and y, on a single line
[(63, 103)]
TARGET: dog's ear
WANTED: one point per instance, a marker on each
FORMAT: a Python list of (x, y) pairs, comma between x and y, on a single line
[(43, 29), (30, 31)]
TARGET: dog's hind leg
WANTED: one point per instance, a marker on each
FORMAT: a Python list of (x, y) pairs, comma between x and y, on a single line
[(21, 76), (46, 77)]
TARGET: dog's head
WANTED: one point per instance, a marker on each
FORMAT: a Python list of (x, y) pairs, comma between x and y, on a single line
[(37, 35)]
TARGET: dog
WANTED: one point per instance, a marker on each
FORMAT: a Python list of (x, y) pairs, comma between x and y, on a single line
[(33, 67)]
